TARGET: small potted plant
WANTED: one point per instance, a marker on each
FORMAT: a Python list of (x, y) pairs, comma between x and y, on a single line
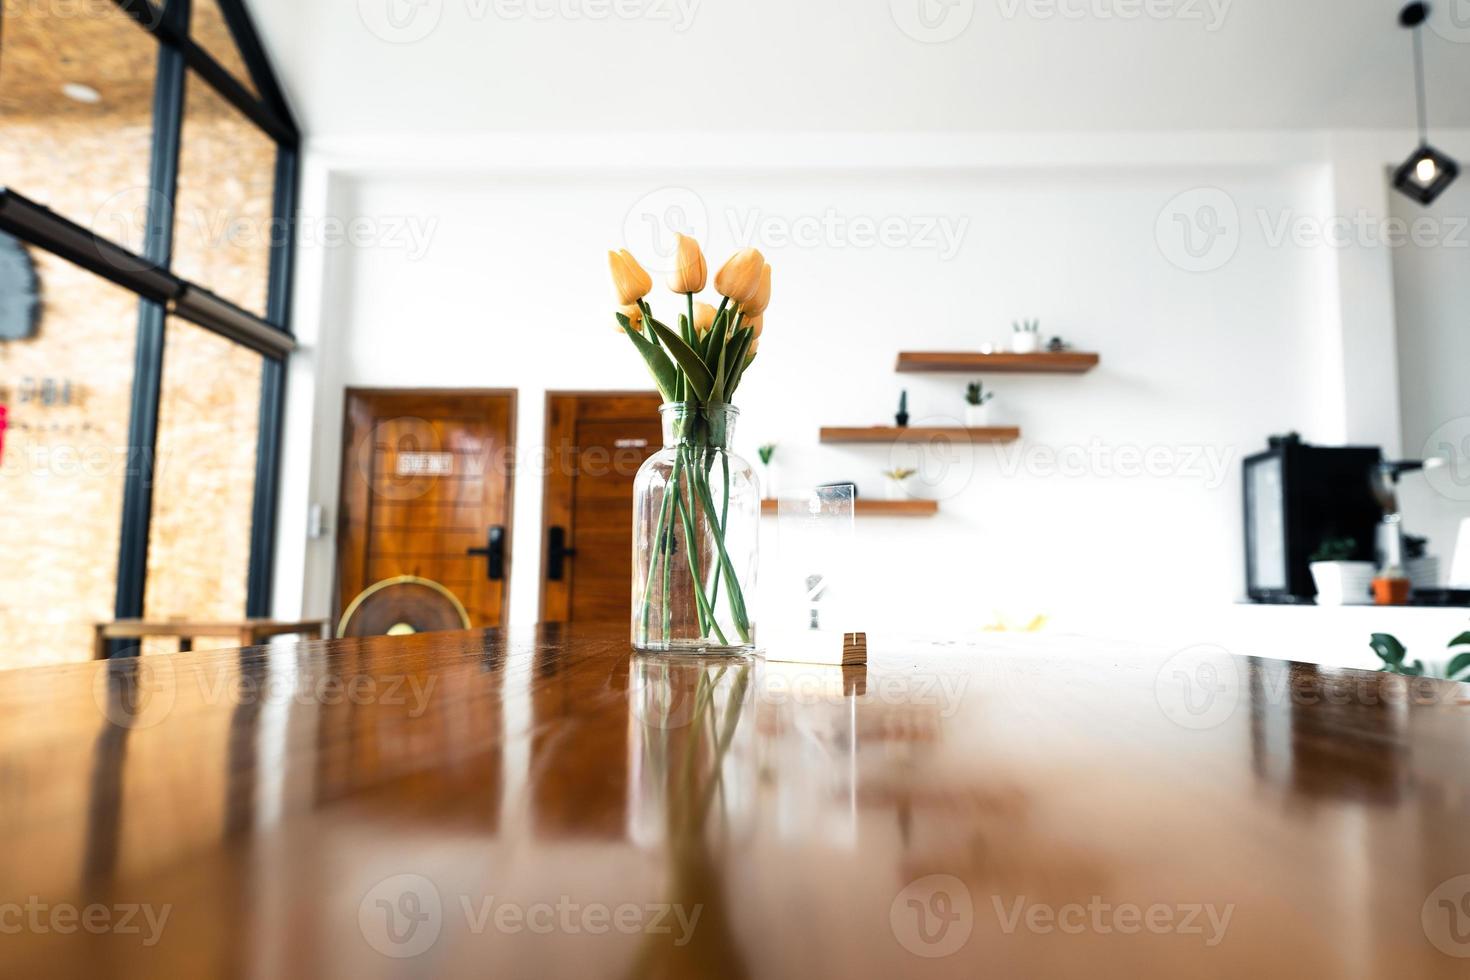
[(1026, 336), (898, 482), (977, 405), (1340, 580), (768, 469)]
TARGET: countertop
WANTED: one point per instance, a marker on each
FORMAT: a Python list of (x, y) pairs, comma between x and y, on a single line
[(548, 804)]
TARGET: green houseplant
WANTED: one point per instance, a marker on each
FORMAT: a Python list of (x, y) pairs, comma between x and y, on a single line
[(1026, 336), (767, 454), (1340, 580), (898, 482), (1393, 654), (977, 405)]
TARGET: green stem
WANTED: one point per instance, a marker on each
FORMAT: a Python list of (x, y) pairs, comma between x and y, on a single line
[(706, 614), (733, 710), (689, 554), (661, 545), (668, 611), (714, 596), (732, 584)]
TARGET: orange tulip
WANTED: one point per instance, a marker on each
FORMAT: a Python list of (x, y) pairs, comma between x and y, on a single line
[(690, 271), (740, 278), (755, 323), (634, 313), (762, 297), (629, 279), (704, 318)]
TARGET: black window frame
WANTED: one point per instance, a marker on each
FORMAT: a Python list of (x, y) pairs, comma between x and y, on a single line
[(162, 294)]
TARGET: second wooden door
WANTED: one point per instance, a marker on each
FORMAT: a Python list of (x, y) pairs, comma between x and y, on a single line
[(595, 442)]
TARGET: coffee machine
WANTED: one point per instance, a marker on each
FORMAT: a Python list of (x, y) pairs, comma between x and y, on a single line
[(1298, 496)]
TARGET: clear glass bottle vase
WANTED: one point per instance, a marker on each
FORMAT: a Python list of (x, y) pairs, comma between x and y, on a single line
[(696, 599)]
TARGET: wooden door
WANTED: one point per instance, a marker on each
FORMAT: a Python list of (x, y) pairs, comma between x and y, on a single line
[(595, 442), (426, 491)]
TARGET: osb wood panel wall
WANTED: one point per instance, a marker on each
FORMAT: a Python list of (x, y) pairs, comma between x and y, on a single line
[(62, 471)]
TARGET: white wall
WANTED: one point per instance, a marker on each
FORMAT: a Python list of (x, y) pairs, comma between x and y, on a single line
[(1432, 294), (1199, 367)]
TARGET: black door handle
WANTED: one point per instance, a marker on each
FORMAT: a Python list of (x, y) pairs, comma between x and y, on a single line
[(557, 553), (494, 552)]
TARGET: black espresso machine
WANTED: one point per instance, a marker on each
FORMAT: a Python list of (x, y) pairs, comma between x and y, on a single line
[(1298, 496)]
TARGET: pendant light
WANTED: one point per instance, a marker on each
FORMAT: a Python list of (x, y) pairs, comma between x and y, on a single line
[(1426, 174)]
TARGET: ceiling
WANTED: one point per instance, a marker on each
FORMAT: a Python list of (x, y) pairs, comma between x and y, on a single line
[(382, 66), (45, 47)]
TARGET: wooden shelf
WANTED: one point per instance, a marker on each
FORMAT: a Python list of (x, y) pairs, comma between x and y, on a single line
[(877, 508), (1063, 362), (925, 433)]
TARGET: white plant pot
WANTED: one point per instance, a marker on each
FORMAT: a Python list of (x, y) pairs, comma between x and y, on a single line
[(977, 416), (1344, 583), (896, 489), (1025, 342), (770, 484)]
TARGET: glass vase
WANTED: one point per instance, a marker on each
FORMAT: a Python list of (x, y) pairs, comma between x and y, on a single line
[(696, 530)]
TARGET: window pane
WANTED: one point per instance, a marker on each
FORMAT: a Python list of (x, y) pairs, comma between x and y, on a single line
[(66, 389), (223, 224), (204, 481), (212, 32), (76, 113)]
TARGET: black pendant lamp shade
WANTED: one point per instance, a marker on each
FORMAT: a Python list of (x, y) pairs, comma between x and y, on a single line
[(1427, 172)]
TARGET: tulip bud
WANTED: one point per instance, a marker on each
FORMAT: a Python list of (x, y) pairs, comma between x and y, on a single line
[(704, 318), (755, 323), (634, 313), (690, 272), (762, 298), (754, 346), (629, 279), (740, 278)]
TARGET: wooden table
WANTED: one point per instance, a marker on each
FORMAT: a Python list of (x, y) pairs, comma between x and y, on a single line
[(482, 805), (246, 632)]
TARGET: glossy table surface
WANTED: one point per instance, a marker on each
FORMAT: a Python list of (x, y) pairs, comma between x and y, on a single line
[(549, 805)]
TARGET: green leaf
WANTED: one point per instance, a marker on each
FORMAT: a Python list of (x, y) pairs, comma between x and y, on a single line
[(659, 366), (1457, 665), (1416, 669), (1388, 648), (699, 377), (735, 367), (716, 360), (1463, 640)]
